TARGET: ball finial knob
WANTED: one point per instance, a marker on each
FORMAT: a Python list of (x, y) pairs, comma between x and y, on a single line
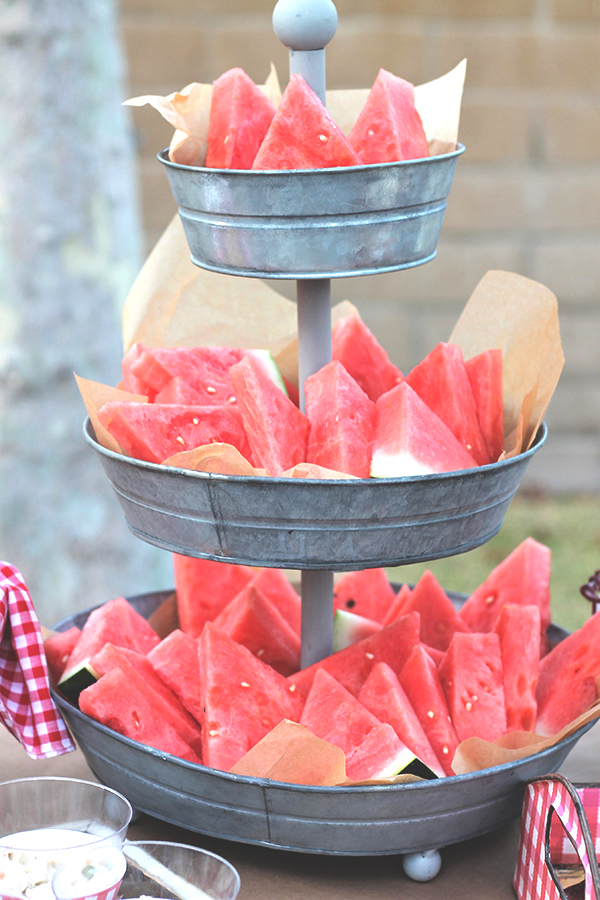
[(305, 24)]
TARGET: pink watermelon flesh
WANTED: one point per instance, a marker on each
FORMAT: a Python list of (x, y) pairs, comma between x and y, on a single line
[(365, 593), (303, 135), (485, 378), (274, 585), (441, 380), (115, 622), (277, 430), (439, 618), (58, 647), (153, 432), (131, 382), (523, 578), (121, 701), (166, 704), (388, 127), (410, 439), (254, 621), (380, 755), (180, 392), (518, 628), (400, 601), (568, 675), (383, 695), (421, 683), (204, 588), (238, 710), (332, 713), (472, 677), (363, 357), (351, 666), (436, 655), (175, 661), (341, 421), (240, 115)]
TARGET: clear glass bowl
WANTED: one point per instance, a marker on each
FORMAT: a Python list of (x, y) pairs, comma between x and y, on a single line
[(176, 872), (61, 839)]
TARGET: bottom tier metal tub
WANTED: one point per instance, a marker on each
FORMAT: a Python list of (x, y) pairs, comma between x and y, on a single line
[(377, 820)]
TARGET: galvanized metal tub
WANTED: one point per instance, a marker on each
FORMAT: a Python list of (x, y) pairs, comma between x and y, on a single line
[(299, 523), (377, 820), (317, 223)]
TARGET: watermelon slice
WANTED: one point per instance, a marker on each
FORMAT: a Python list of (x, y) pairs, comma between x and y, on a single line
[(485, 378), (439, 618), (121, 701), (436, 655), (351, 666), (518, 628), (254, 621), (166, 704), (382, 755), (154, 432), (341, 421), (383, 695), (332, 713), (441, 380), (410, 439), (523, 578), (421, 683), (175, 661), (396, 610), (274, 585), (131, 382), (277, 430), (242, 698), (181, 393), (240, 115), (365, 593), (58, 647), (567, 684), (472, 677), (116, 622), (204, 587), (363, 357), (388, 127), (303, 135), (349, 628)]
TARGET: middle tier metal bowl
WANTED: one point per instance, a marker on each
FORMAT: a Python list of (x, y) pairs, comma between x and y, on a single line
[(317, 223), (298, 523), (358, 821)]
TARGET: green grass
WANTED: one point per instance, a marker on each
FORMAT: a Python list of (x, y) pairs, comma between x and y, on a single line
[(570, 526)]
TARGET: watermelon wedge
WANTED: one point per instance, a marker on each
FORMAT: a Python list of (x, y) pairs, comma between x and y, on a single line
[(251, 619), (154, 432), (238, 710), (367, 593), (522, 578), (441, 380), (120, 701), (567, 684), (341, 421), (58, 647), (240, 115), (439, 618), (518, 628), (383, 695), (277, 430), (410, 439), (204, 587), (381, 755), (351, 666), (388, 127), (349, 628), (274, 585), (485, 378), (131, 382), (396, 610), (363, 357), (175, 661), (472, 677), (421, 683), (303, 135)]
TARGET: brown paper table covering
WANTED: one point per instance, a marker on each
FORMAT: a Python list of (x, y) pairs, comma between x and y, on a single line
[(481, 868)]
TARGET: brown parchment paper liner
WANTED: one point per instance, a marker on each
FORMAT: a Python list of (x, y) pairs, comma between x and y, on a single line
[(438, 103), (519, 316)]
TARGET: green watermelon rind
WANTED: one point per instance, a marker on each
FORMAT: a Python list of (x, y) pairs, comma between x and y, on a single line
[(267, 360), (348, 628)]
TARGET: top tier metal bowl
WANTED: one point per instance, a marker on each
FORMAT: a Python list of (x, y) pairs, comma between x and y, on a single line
[(318, 223), (299, 523)]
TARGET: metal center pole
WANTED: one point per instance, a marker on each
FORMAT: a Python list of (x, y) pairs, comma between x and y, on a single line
[(305, 27)]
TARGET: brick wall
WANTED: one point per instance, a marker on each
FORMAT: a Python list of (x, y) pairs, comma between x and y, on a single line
[(526, 195)]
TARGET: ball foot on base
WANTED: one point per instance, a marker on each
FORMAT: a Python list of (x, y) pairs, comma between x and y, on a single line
[(422, 866)]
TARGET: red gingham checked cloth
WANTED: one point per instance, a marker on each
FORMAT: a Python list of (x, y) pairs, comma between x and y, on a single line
[(26, 707)]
